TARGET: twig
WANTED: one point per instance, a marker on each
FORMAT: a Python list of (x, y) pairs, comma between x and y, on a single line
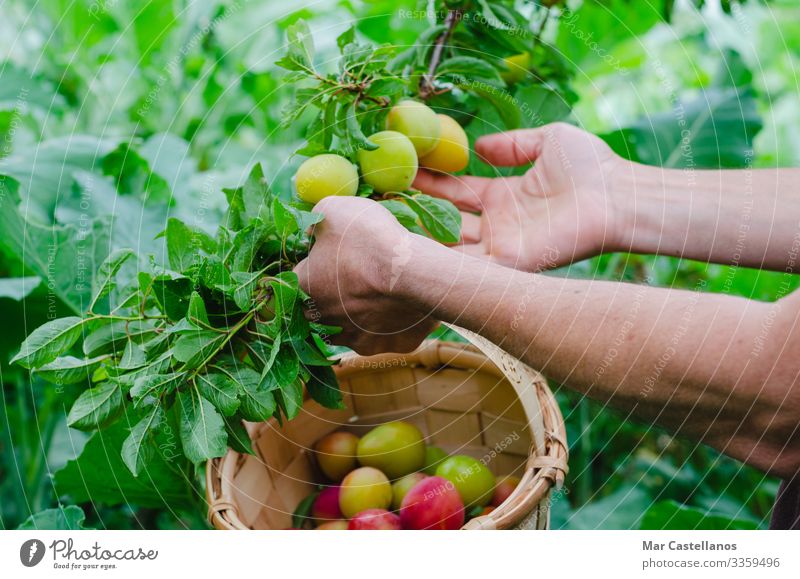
[(537, 38), (426, 84)]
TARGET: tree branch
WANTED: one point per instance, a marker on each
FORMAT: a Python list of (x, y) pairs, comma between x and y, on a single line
[(426, 84)]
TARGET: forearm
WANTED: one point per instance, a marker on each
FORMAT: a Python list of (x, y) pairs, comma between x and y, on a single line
[(746, 217), (696, 363)]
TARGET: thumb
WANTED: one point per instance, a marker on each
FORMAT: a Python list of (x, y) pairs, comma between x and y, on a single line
[(511, 148)]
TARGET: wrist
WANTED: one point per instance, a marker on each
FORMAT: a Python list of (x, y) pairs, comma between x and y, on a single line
[(646, 207)]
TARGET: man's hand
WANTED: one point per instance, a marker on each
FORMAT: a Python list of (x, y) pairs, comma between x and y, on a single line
[(557, 213), (358, 256)]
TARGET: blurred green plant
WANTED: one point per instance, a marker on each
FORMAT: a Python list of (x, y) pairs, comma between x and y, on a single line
[(116, 118)]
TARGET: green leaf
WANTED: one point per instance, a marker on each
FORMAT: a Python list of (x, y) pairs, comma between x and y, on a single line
[(285, 367), (155, 384), (302, 514), (355, 137), (193, 348), (69, 518), (100, 477), (18, 288), (133, 356), (671, 515), (439, 217), (290, 397), (197, 309), (220, 390), (404, 214), (245, 286), (286, 288), (238, 439), (309, 354), (714, 131), (283, 219), (135, 453), (69, 369), (202, 429), (346, 37), (47, 342), (504, 104), (301, 43), (323, 387), (104, 281), (184, 245), (173, 295), (51, 251), (109, 337), (96, 407), (257, 402), (465, 70)]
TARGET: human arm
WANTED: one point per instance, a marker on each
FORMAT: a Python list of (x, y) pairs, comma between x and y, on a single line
[(580, 199), (718, 369)]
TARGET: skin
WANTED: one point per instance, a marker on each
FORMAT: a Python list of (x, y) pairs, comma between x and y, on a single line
[(718, 369)]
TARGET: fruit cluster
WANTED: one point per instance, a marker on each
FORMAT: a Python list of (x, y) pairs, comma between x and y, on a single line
[(415, 136), (389, 479)]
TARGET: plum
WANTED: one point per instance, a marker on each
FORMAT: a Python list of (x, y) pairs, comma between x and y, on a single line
[(375, 520), (336, 454), (364, 488), (326, 505), (416, 121), (401, 487), (325, 175), (473, 481), (396, 448), (503, 489), (392, 166), (433, 503), (451, 154)]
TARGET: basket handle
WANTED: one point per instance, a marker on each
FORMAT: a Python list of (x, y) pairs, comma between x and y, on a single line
[(522, 378)]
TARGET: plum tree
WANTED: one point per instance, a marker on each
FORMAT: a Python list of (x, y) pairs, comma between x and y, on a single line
[(451, 154), (392, 166), (364, 488), (473, 481), (396, 448), (325, 175), (416, 121)]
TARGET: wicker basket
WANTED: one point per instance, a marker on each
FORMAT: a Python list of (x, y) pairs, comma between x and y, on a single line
[(470, 399)]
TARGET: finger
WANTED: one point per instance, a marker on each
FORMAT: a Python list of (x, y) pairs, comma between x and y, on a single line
[(470, 228), (511, 148), (464, 192)]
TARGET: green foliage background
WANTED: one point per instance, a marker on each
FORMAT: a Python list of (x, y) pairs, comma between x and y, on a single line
[(116, 116)]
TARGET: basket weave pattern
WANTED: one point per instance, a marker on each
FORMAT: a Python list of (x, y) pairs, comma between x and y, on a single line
[(468, 400)]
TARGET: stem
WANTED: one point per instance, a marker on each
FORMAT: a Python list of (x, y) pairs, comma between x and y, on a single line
[(231, 333), (537, 38), (426, 84)]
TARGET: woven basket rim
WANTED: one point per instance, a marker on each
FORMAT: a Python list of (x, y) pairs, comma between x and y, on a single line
[(544, 470)]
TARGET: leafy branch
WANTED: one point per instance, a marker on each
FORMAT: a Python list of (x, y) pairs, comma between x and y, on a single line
[(426, 88)]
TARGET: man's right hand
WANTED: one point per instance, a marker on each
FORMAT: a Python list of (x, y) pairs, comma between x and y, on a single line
[(560, 211)]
